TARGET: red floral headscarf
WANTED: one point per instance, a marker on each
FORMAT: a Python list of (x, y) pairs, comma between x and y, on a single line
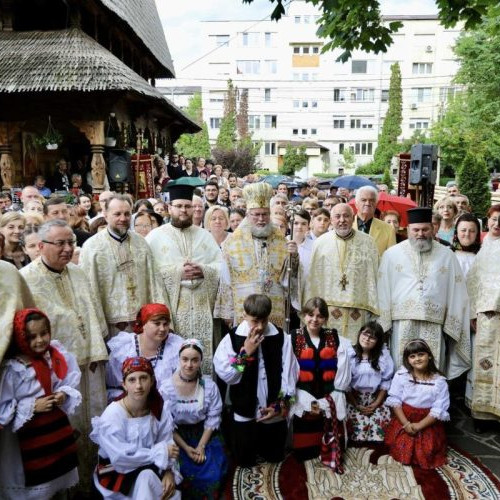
[(38, 360), (140, 364), (147, 312)]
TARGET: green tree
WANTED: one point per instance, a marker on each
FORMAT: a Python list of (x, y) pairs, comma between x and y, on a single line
[(388, 139), (387, 179), (348, 159), (294, 159), (357, 24), (234, 148), (198, 144), (473, 178), (226, 140)]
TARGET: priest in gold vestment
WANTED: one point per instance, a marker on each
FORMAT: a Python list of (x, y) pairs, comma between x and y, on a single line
[(62, 291), (14, 295), (255, 260), (343, 272), (121, 268), (483, 284), (188, 260)]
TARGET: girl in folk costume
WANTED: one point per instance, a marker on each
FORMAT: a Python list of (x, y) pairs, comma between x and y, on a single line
[(372, 369), (38, 390), (137, 455), (323, 381), (152, 340), (196, 406), (420, 400)]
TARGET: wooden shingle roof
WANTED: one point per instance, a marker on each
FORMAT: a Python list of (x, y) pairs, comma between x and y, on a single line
[(142, 17), (68, 61)]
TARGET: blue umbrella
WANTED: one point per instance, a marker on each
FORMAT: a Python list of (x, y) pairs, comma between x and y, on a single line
[(275, 179), (352, 182)]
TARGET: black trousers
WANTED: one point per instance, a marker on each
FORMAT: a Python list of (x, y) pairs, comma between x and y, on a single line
[(250, 439)]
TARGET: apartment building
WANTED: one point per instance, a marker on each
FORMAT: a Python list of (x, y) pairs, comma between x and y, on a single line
[(299, 95)]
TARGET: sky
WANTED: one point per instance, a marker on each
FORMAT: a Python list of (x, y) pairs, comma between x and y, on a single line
[(180, 19)]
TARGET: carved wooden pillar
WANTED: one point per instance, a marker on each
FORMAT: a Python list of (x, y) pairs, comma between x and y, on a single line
[(94, 131)]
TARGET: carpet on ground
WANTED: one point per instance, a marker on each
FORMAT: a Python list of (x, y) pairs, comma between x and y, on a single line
[(370, 474)]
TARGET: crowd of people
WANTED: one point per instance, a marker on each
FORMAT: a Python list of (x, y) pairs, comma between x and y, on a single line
[(149, 346)]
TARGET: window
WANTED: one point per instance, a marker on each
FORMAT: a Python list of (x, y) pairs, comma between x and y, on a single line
[(248, 67), (338, 123), (362, 122), (267, 95), (422, 94), (297, 19), (314, 131), (270, 121), (422, 68), (296, 77), (419, 123), (296, 103), (385, 95), (221, 40), (296, 50), (305, 77), (315, 50), (341, 148), (362, 95), (305, 104), (271, 66), (339, 95), (307, 19), (250, 39), (305, 50), (363, 148), (359, 66), (269, 39), (215, 122), (314, 104), (270, 148), (447, 93), (295, 131), (216, 95), (304, 131), (253, 121)]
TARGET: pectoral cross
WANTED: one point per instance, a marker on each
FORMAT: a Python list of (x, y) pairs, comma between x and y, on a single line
[(131, 288), (343, 282)]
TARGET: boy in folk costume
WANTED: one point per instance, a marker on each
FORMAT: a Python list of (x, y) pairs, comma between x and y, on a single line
[(256, 360)]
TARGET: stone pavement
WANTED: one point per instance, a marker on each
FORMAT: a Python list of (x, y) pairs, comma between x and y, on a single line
[(460, 431)]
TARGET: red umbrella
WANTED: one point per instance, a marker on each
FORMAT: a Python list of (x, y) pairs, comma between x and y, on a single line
[(390, 202)]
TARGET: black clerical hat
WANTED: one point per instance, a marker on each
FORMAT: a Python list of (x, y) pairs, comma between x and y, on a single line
[(183, 188), (419, 215)]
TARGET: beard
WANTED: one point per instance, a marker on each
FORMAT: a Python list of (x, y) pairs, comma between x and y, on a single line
[(421, 246), (120, 231), (262, 232), (181, 224), (343, 232)]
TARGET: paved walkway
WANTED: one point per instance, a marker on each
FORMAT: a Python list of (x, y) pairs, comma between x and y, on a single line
[(460, 431)]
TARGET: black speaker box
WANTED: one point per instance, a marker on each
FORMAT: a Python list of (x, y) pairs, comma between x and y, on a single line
[(423, 167)]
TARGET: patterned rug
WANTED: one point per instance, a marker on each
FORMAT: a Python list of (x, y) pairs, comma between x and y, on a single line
[(370, 474)]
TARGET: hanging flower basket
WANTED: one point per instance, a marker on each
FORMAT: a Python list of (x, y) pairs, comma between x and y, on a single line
[(51, 139)]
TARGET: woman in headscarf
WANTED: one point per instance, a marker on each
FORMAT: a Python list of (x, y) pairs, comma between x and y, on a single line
[(152, 340), (137, 455), (196, 406)]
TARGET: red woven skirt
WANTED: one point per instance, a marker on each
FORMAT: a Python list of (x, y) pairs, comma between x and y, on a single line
[(427, 448)]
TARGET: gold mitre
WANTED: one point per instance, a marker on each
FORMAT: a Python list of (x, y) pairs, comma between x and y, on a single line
[(258, 195)]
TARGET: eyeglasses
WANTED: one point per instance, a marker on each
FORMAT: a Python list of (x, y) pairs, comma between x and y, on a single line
[(61, 243), (369, 335), (182, 207)]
